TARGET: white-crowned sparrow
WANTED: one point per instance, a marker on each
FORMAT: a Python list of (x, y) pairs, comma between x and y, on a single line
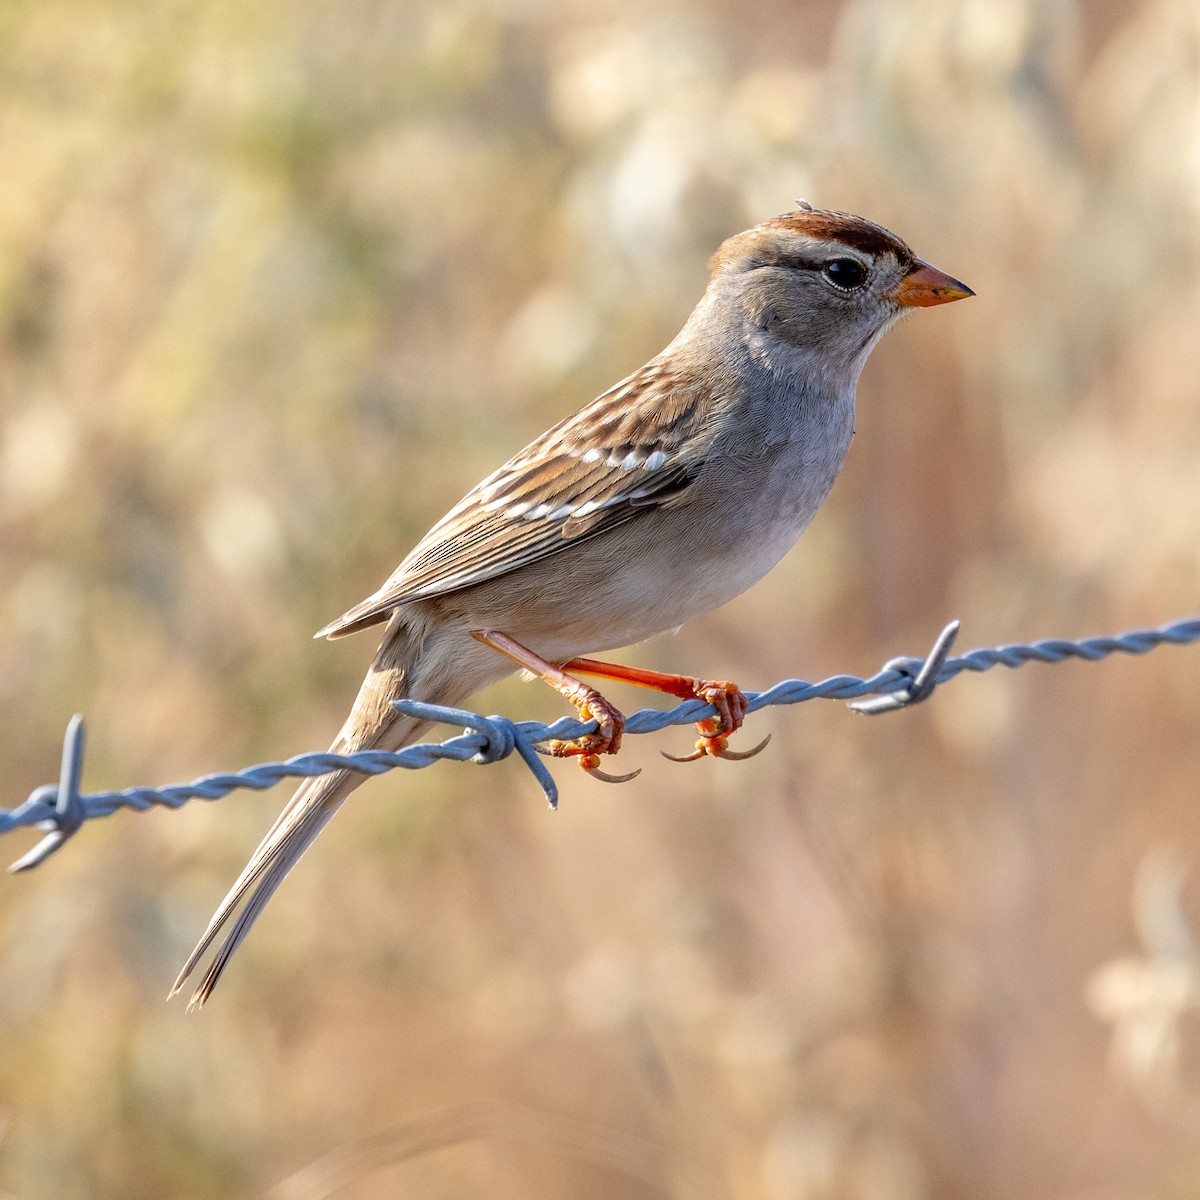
[(663, 498)]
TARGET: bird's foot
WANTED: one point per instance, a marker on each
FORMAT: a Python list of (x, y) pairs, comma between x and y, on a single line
[(589, 747), (592, 706), (730, 702)]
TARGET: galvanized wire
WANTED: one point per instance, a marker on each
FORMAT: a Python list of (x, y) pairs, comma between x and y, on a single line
[(61, 809)]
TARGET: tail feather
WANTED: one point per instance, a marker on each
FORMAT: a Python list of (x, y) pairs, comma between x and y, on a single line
[(372, 723), (295, 830)]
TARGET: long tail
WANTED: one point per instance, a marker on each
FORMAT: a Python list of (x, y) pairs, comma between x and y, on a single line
[(372, 723)]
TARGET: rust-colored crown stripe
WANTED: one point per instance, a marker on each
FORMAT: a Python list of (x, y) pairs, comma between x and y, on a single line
[(822, 225), (856, 232)]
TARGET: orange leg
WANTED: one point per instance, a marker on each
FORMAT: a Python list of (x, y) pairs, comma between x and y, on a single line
[(590, 703), (727, 698)]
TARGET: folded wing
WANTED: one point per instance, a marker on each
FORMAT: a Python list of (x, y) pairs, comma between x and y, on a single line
[(632, 449)]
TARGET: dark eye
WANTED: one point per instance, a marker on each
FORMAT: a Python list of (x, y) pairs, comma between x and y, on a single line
[(845, 273)]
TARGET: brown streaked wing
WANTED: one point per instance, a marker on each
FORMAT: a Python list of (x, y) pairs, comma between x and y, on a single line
[(613, 460)]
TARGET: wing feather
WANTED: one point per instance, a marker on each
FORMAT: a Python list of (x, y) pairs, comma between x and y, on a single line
[(614, 460)]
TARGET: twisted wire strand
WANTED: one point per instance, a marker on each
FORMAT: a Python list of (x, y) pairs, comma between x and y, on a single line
[(61, 809)]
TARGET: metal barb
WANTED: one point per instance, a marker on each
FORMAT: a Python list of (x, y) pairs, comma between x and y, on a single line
[(924, 675), (500, 738), (69, 812)]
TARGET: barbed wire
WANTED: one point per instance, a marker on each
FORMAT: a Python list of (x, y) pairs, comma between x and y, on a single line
[(61, 809)]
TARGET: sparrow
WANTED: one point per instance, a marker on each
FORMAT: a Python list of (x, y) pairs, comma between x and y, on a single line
[(665, 497)]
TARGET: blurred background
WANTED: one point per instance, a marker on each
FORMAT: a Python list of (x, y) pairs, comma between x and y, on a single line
[(278, 283)]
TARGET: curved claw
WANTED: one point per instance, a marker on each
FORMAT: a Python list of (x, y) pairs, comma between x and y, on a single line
[(605, 777), (697, 754), (741, 755), (717, 747), (591, 764)]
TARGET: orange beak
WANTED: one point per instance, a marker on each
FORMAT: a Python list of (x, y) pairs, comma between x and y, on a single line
[(924, 286)]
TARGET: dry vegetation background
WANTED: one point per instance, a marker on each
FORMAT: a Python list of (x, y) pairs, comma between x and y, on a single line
[(278, 282)]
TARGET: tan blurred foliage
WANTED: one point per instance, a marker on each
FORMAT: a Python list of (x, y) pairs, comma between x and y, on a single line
[(278, 282)]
